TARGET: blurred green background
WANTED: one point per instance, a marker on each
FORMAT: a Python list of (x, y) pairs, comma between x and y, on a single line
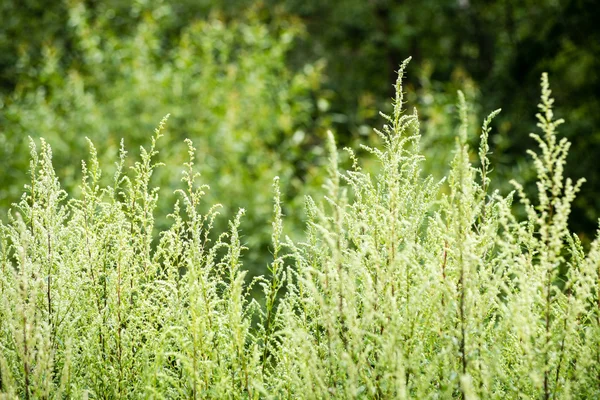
[(256, 84)]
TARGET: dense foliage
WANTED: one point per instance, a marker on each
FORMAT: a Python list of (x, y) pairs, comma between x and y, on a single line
[(496, 47), (400, 288), (225, 85), (277, 74)]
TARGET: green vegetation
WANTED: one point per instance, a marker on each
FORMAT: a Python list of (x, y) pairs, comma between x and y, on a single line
[(494, 50), (398, 268), (226, 86), (257, 83), (400, 288)]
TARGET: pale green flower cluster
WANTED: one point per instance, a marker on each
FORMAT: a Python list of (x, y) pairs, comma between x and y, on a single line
[(401, 288)]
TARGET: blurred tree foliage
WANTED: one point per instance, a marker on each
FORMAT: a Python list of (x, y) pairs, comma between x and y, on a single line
[(255, 83)]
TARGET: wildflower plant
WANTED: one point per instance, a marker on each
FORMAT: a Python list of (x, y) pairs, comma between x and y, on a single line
[(400, 288)]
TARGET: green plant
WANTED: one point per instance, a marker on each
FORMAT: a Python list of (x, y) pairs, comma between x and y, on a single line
[(399, 290), (225, 83)]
